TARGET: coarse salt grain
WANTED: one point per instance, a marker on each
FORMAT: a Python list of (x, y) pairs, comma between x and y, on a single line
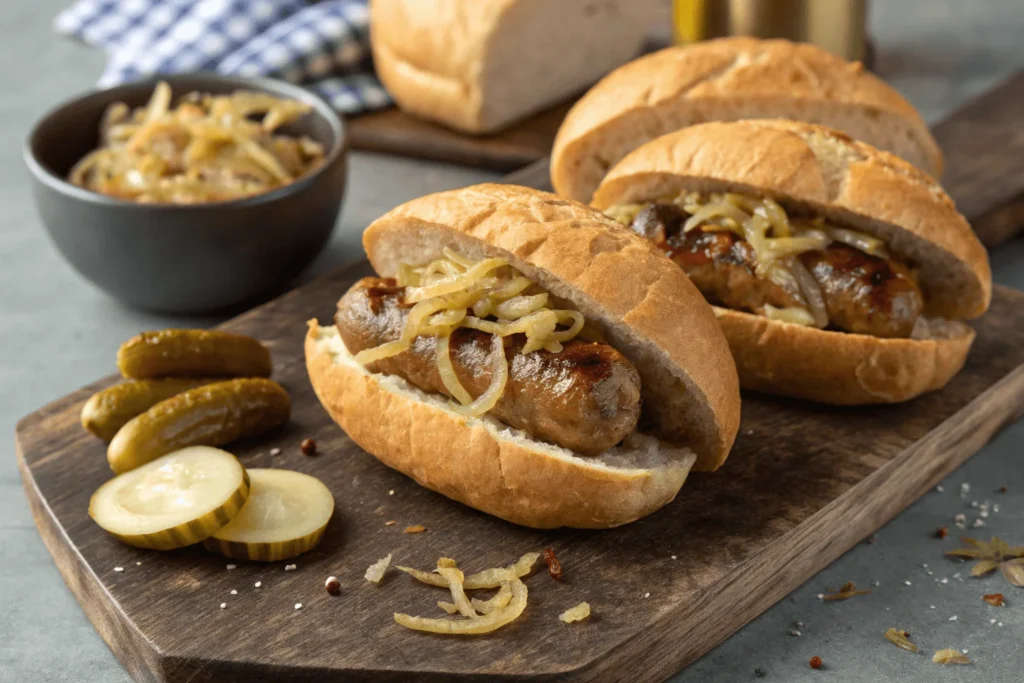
[(978, 522), (231, 566), (931, 606), (991, 621), (999, 624), (907, 583), (965, 487), (960, 520), (964, 650), (984, 513), (298, 605), (974, 503), (953, 618), (118, 569), (821, 596), (258, 584), (289, 567), (391, 492), (234, 592), (940, 488), (944, 580), (223, 605), (275, 451), (647, 595), (673, 557), (138, 564), (794, 632)]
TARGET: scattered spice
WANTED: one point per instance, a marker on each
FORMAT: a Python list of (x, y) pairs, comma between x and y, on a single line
[(554, 566), (308, 447), (942, 532), (848, 590), (994, 599), (900, 639), (332, 585), (759, 673), (950, 656), (1002, 489), (815, 662), (995, 554), (870, 539), (414, 529)]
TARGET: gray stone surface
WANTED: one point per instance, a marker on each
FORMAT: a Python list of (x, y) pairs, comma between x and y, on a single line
[(57, 333)]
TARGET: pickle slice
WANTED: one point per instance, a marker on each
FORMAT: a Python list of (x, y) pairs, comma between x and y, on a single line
[(108, 410), (286, 516), (174, 501), (210, 415), (193, 353)]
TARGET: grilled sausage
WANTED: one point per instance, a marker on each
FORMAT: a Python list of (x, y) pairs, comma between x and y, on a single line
[(721, 264), (585, 398), (865, 294)]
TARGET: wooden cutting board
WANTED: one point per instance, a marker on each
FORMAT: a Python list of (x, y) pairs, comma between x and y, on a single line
[(983, 143), (804, 483)]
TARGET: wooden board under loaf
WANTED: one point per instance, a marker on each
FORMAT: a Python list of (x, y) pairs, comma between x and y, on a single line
[(803, 484)]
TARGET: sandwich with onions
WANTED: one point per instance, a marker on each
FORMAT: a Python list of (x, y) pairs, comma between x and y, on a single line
[(839, 273), (526, 356)]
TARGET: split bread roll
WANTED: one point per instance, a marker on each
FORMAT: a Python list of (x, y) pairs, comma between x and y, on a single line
[(641, 302), (727, 80), (479, 66), (816, 173)]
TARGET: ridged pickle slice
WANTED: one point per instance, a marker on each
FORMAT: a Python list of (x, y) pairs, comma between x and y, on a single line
[(174, 501), (108, 410), (210, 415), (193, 353), (286, 516)]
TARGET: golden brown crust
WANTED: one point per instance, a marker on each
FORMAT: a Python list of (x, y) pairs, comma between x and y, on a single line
[(813, 167), (836, 367), (649, 309), (730, 79), (466, 461)]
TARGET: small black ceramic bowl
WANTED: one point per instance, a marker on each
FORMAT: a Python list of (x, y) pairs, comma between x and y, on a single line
[(185, 258)]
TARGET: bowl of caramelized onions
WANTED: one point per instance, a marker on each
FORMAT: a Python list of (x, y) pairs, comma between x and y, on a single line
[(192, 193)]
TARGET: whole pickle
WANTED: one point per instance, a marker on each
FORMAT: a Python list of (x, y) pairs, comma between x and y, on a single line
[(210, 415), (192, 353), (108, 410)]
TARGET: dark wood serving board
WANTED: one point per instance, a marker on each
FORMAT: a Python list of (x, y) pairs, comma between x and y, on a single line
[(983, 143), (804, 483)]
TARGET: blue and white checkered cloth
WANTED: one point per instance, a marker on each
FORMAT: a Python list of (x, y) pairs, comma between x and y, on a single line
[(325, 46)]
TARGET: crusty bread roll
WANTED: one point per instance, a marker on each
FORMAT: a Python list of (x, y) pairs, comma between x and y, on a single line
[(727, 80), (644, 304), (479, 65), (809, 167)]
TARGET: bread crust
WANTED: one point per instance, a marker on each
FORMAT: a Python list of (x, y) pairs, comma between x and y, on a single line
[(730, 79), (464, 460), (463, 63), (823, 170), (837, 367), (649, 309)]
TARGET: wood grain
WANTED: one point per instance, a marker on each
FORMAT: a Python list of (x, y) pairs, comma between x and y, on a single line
[(392, 131), (984, 147), (803, 484)]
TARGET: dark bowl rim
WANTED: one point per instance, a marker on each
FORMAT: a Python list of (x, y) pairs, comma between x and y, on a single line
[(274, 86)]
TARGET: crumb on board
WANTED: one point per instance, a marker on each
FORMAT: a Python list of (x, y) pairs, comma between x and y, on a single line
[(414, 529)]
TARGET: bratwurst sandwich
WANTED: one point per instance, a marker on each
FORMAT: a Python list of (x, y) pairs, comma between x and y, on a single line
[(840, 273), (525, 355)]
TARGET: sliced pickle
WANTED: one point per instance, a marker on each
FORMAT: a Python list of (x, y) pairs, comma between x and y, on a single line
[(108, 410), (210, 415), (193, 353), (174, 501), (286, 516)]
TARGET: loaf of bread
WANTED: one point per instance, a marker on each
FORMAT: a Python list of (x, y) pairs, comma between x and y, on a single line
[(727, 80), (479, 65)]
